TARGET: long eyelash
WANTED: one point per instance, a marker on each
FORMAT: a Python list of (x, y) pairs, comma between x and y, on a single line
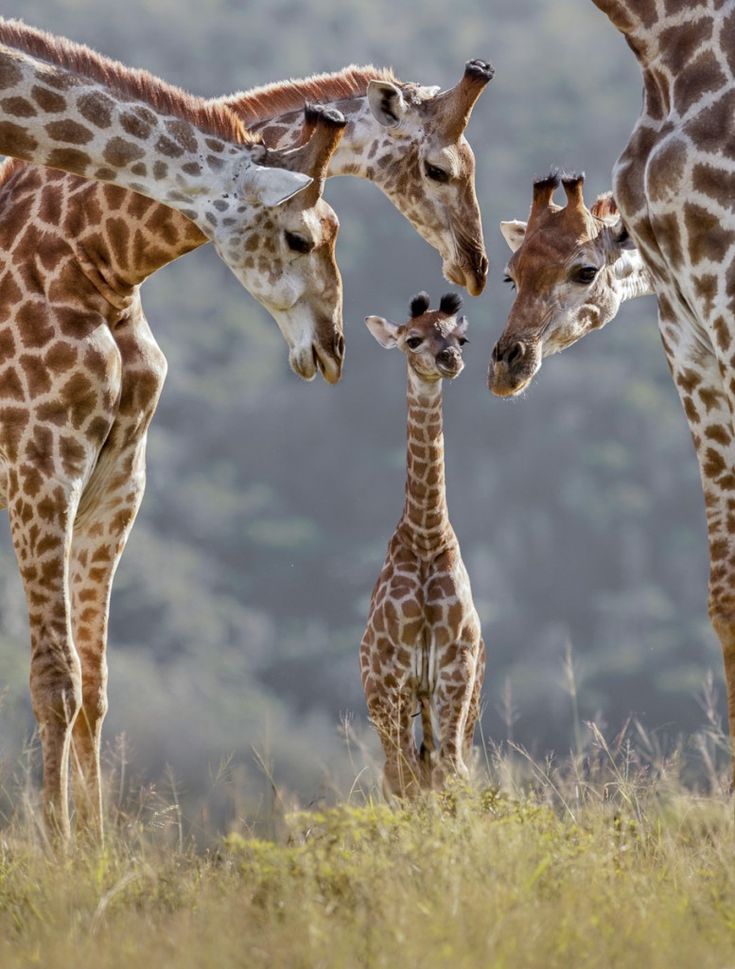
[(509, 279)]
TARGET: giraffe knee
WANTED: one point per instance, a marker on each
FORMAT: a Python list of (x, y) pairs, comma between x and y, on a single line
[(56, 693), (94, 704)]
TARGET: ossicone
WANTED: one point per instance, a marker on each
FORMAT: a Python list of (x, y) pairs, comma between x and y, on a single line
[(450, 303), (573, 186), (419, 304)]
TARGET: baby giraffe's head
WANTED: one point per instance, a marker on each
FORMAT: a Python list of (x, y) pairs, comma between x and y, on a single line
[(432, 340)]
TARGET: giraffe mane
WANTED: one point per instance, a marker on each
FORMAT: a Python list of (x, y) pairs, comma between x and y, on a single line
[(212, 117), (282, 97)]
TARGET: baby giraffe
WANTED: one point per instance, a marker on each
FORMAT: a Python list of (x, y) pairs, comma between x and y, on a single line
[(422, 650)]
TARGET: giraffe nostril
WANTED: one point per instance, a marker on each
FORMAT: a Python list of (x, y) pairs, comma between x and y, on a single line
[(516, 353)]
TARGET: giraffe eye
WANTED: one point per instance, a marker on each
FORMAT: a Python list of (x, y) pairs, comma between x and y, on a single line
[(298, 243), (585, 274), (462, 340), (414, 342), (435, 174), (509, 279)]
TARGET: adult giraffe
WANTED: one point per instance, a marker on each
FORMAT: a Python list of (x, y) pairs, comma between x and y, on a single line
[(674, 186), (79, 372)]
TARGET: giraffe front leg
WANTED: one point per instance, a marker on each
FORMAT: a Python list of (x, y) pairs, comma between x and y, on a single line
[(391, 703), (454, 692), (100, 535), (41, 510), (709, 404), (473, 713)]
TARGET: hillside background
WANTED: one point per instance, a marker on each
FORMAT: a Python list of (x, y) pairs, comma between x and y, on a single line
[(240, 602)]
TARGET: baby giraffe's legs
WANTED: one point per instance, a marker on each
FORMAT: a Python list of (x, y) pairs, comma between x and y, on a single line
[(453, 699), (391, 703), (474, 711)]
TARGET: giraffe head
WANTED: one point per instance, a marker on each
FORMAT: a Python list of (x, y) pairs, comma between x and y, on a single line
[(431, 340), (572, 267), (286, 251), (425, 166)]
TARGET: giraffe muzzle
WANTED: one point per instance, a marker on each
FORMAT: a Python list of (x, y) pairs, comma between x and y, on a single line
[(513, 365)]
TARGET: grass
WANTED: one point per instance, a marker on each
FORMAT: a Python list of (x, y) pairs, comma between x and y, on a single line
[(606, 859)]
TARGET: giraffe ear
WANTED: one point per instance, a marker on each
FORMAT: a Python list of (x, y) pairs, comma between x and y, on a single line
[(514, 232), (383, 330), (272, 186), (386, 102)]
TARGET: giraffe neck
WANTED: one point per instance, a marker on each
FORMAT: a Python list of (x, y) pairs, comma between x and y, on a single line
[(633, 276), (650, 30), (140, 236), (67, 121), (425, 524)]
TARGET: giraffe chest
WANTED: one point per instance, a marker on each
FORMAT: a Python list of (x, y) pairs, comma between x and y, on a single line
[(419, 613)]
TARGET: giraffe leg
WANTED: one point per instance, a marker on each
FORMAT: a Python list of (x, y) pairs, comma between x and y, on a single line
[(41, 512), (392, 718), (391, 704), (709, 404), (473, 713), (101, 532), (100, 536), (453, 695)]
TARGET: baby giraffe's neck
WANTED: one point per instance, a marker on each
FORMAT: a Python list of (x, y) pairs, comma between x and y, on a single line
[(425, 524)]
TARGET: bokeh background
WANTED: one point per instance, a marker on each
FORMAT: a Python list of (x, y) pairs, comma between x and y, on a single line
[(241, 599)]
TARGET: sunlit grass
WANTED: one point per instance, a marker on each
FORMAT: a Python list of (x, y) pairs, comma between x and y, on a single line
[(603, 859)]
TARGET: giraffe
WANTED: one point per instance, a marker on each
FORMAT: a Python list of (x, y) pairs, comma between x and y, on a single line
[(90, 241), (74, 110), (572, 268), (406, 138), (673, 186), (422, 644), (80, 375)]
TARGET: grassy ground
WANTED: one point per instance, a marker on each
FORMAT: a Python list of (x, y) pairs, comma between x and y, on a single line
[(605, 860)]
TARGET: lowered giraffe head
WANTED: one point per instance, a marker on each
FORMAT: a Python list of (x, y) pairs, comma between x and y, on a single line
[(75, 110), (430, 178), (571, 268), (406, 138), (431, 340), (291, 253)]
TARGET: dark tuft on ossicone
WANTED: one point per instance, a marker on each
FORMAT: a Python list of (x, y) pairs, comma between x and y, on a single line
[(450, 303), (552, 180), (420, 304), (572, 178)]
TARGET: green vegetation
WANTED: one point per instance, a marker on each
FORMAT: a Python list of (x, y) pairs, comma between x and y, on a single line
[(603, 861)]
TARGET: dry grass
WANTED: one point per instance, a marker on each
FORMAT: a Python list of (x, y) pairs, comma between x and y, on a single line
[(607, 859)]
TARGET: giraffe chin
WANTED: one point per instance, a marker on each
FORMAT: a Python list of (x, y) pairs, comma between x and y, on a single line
[(503, 384), (470, 279), (306, 361)]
